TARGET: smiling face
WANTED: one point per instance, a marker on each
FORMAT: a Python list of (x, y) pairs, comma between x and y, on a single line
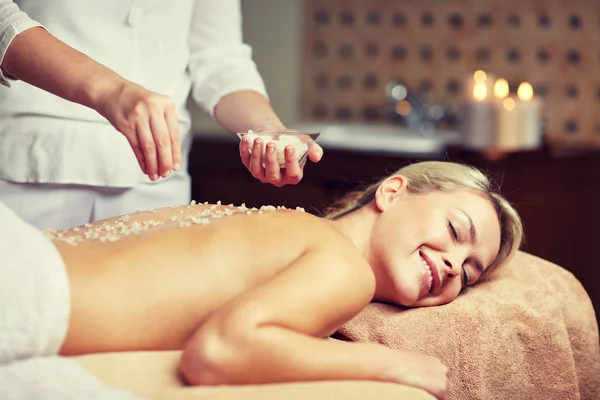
[(425, 248)]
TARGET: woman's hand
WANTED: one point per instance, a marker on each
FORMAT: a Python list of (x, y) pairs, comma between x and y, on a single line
[(149, 122), (271, 172), (420, 371)]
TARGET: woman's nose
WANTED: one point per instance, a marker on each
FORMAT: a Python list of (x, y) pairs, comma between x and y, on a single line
[(452, 264)]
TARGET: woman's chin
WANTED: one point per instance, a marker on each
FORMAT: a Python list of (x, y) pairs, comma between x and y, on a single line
[(407, 296)]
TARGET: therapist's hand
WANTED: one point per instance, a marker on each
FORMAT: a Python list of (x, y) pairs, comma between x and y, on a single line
[(248, 109), (149, 122), (272, 173)]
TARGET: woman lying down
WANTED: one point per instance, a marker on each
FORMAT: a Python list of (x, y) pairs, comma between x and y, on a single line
[(251, 294)]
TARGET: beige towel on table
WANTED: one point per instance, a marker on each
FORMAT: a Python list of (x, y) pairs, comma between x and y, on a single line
[(153, 375), (528, 332)]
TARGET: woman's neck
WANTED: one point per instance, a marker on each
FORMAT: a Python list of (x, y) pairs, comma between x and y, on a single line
[(356, 226)]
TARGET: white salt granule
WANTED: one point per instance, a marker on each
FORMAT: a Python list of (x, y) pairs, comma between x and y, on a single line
[(281, 142), (200, 221), (136, 227), (193, 202), (118, 229)]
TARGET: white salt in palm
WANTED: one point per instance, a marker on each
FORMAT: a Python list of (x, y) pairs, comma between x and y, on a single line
[(300, 141)]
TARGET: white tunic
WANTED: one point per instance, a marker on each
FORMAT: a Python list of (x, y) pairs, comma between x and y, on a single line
[(171, 47)]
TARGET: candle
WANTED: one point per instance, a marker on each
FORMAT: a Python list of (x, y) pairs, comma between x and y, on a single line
[(477, 119), (531, 116), (501, 89), (508, 136)]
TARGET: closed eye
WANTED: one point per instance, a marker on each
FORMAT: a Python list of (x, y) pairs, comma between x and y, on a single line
[(465, 277), (453, 231)]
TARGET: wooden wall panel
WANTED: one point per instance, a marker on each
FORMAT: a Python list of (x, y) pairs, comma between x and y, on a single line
[(352, 48)]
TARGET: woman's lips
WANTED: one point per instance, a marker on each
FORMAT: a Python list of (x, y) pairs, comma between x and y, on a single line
[(432, 273), (426, 273)]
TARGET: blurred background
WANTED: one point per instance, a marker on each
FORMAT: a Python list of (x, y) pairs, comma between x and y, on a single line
[(511, 87)]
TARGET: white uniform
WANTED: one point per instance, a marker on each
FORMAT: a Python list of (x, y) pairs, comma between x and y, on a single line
[(62, 164), (34, 318)]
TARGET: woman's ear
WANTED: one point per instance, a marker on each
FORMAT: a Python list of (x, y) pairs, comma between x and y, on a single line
[(389, 190)]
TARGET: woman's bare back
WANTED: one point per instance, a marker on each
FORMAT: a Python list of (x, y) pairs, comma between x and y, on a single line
[(153, 289)]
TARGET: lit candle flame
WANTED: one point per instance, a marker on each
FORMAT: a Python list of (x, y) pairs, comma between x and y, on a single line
[(480, 76), (501, 88), (525, 91), (508, 104), (480, 91)]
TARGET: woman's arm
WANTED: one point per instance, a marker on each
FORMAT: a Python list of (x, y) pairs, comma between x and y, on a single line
[(277, 332)]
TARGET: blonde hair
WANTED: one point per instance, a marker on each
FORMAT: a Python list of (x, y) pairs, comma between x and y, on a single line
[(429, 176)]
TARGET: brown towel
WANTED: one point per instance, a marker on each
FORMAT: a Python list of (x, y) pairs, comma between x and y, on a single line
[(527, 332)]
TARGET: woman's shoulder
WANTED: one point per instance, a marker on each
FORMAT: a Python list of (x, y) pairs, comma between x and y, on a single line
[(319, 233), (294, 229)]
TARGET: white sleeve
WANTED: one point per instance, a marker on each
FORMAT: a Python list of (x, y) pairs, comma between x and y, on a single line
[(220, 62), (12, 22), (55, 378)]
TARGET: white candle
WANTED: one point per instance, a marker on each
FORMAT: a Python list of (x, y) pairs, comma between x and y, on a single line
[(501, 89), (531, 117), (508, 136), (478, 116)]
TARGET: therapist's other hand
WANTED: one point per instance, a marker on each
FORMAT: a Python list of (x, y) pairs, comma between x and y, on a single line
[(149, 122), (271, 172)]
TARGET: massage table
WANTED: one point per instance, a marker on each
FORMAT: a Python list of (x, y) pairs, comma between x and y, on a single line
[(528, 331)]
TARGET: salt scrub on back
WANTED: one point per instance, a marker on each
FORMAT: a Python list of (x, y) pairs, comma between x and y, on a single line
[(281, 142)]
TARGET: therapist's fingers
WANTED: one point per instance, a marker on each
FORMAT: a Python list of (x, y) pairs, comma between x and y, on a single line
[(315, 153), (162, 141), (245, 151), (148, 148), (293, 170), (272, 169), (135, 146), (149, 122), (256, 161), (173, 126)]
